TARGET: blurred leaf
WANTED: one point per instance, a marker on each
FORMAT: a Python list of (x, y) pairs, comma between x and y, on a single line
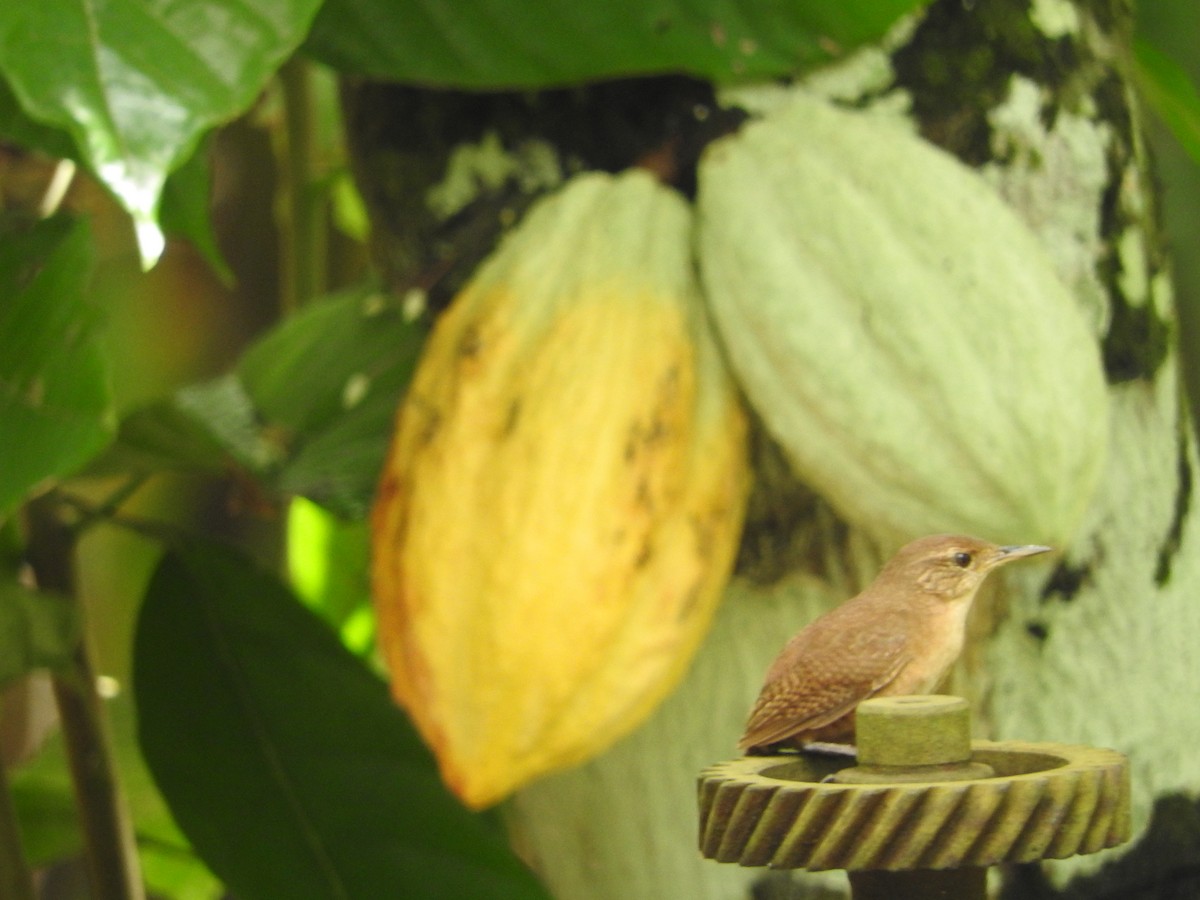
[(185, 210), (135, 84), (1171, 93), (535, 43), (339, 467), (161, 436), (37, 631), (55, 411), (45, 801), (348, 209), (227, 412), (308, 410), (331, 378), (206, 427), (18, 128), (176, 872), (283, 758)]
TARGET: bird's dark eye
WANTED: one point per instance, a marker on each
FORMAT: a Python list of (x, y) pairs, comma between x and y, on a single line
[(962, 559)]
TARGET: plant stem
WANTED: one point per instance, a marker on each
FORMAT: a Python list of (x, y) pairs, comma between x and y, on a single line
[(105, 512), (107, 829), (16, 880), (302, 240)]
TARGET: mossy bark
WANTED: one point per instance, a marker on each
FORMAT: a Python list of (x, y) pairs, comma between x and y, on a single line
[(1098, 651)]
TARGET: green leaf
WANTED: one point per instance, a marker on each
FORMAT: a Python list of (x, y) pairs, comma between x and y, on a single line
[(1171, 93), (206, 427), (162, 437), (55, 411), (18, 128), (227, 412), (540, 43), (308, 410), (45, 801), (185, 211), (135, 83), (330, 378), (283, 758), (37, 631), (45, 804), (328, 562)]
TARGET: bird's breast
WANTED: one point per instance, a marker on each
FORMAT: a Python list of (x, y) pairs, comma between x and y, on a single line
[(933, 649)]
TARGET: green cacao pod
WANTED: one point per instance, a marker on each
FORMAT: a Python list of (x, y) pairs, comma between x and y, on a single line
[(564, 493), (899, 329)]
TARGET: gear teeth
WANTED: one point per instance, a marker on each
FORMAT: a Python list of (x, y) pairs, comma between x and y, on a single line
[(1047, 801)]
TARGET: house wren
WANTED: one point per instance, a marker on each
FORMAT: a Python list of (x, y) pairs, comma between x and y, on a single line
[(899, 636)]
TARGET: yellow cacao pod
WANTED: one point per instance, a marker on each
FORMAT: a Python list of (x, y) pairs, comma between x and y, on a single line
[(899, 329), (564, 494)]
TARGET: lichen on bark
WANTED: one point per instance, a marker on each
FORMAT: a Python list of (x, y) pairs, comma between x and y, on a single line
[(1060, 125)]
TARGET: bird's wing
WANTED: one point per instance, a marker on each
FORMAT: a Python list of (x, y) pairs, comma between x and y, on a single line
[(821, 676)]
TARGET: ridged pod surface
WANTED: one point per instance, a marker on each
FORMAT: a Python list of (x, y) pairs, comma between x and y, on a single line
[(900, 331), (565, 491)]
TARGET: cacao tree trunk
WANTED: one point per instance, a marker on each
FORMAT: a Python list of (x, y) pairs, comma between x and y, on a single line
[(1096, 651)]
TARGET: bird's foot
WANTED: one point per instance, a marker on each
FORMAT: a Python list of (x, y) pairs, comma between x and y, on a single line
[(828, 748)]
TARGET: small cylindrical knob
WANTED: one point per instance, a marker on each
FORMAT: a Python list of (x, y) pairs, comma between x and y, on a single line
[(913, 738), (925, 730)]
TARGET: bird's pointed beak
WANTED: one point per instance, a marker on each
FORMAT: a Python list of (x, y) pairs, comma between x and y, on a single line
[(1019, 551)]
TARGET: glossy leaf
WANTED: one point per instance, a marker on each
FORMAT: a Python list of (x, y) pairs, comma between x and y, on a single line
[(37, 631), (534, 43), (136, 84), (54, 395), (283, 758), (1171, 93)]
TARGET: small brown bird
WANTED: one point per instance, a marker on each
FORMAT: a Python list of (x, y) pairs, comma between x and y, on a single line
[(899, 636)]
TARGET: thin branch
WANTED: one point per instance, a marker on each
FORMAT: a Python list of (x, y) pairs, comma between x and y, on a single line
[(16, 879), (109, 842), (302, 229), (105, 511)]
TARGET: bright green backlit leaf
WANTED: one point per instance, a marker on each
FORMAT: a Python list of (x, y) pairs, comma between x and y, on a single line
[(327, 560), (349, 211)]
